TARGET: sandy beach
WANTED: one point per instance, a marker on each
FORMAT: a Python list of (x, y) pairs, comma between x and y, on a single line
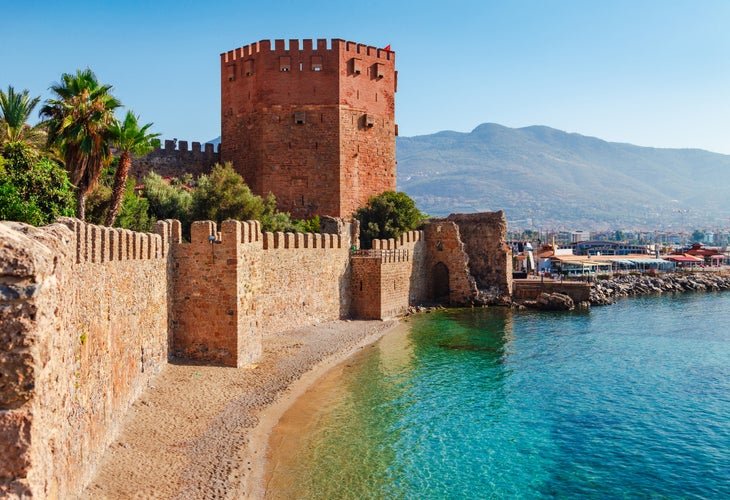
[(201, 431)]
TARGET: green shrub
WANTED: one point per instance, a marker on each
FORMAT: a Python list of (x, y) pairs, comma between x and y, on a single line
[(387, 215), (34, 189)]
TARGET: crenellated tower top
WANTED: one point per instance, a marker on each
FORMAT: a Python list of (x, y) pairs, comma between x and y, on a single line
[(321, 45)]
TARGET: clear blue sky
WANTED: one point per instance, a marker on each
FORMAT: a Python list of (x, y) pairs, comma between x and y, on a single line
[(649, 72)]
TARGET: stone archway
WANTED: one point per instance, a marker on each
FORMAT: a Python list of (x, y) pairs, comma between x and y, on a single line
[(440, 283)]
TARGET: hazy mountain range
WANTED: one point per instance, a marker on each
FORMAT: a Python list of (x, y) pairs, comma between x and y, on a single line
[(549, 179)]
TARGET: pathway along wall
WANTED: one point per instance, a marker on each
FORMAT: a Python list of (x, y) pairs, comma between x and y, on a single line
[(80, 338)]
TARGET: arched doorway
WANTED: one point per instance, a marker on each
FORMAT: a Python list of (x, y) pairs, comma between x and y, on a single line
[(440, 282)]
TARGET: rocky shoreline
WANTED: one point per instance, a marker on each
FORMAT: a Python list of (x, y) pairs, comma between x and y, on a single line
[(604, 292)]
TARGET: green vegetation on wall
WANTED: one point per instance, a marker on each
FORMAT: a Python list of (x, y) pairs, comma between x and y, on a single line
[(387, 215)]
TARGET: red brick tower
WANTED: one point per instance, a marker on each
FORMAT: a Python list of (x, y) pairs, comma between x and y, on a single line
[(313, 125)]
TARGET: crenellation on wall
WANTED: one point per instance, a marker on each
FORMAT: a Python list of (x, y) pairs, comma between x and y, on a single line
[(322, 45), (177, 158), (99, 244), (434, 264)]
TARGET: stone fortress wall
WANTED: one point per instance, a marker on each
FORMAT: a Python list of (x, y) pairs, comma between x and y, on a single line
[(89, 315), (83, 329), (234, 286), (175, 159), (439, 263)]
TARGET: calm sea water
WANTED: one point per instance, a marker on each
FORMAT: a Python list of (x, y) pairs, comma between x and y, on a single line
[(626, 401)]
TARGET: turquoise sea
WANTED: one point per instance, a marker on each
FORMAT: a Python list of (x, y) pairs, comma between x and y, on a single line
[(625, 401)]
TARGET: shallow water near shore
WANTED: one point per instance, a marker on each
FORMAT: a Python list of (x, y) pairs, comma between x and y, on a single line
[(630, 400)]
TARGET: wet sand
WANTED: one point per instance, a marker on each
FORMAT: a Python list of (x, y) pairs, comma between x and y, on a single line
[(201, 431)]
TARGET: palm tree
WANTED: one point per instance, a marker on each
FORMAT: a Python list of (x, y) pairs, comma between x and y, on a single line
[(15, 110), (79, 123), (128, 138)]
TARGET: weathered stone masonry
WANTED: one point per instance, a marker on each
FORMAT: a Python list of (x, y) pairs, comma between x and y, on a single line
[(175, 159), (88, 315), (83, 328), (234, 286), (447, 262)]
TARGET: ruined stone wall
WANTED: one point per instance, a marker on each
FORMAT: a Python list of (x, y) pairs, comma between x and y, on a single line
[(490, 260), (436, 266), (175, 159), (445, 248), (80, 341)]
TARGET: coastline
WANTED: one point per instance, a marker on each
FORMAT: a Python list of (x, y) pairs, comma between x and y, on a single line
[(202, 431), (605, 292)]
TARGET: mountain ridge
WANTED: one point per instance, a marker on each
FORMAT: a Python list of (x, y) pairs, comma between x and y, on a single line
[(546, 177)]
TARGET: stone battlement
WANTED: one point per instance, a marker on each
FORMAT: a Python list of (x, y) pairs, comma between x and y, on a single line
[(407, 239), (176, 159), (104, 244), (173, 147), (286, 47)]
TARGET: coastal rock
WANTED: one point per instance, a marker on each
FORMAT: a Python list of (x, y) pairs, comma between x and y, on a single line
[(604, 291), (554, 302)]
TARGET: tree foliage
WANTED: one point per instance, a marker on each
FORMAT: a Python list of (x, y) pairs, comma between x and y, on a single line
[(387, 215), (78, 122), (33, 189), (15, 111), (223, 195), (129, 139), (134, 213), (168, 200)]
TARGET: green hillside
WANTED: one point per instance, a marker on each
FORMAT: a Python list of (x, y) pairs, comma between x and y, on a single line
[(542, 177)]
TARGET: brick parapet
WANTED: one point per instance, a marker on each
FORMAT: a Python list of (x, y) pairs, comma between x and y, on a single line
[(98, 244), (321, 45)]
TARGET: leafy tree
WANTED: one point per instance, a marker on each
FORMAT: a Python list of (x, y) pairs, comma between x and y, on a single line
[(15, 111), (698, 236), (307, 226), (14, 207), (99, 198), (167, 201), (387, 215), (223, 195), (129, 138), (134, 212), (33, 189), (79, 120)]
